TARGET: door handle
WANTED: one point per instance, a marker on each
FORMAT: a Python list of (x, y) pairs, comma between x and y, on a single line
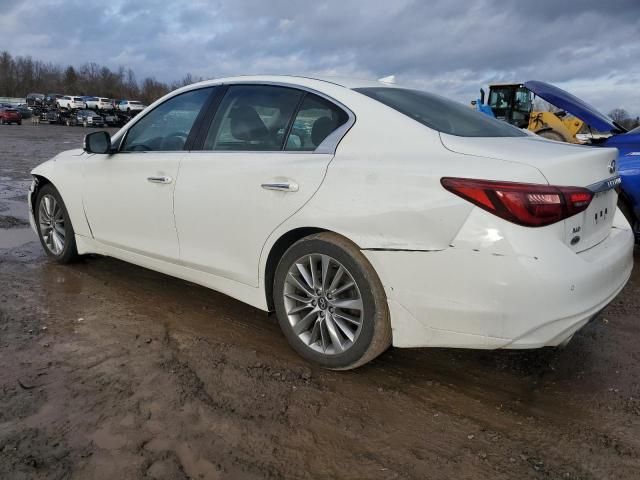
[(164, 180), (281, 187)]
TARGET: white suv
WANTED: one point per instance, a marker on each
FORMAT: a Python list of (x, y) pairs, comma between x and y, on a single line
[(130, 106), (99, 103), (70, 102)]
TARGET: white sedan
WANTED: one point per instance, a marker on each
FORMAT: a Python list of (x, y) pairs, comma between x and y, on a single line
[(365, 214)]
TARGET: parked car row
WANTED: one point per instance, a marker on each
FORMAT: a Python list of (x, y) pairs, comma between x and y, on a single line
[(74, 102)]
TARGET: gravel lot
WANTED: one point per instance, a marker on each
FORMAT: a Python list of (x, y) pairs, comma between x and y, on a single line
[(113, 371)]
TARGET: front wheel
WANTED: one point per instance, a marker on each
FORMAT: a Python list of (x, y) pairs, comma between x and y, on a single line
[(330, 303), (54, 226)]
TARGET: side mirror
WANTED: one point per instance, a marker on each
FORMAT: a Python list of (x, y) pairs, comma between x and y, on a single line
[(97, 142)]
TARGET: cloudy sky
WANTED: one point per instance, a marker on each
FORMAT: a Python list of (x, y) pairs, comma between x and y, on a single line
[(589, 47)]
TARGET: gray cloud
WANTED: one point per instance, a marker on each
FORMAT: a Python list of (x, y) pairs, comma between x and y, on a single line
[(589, 47)]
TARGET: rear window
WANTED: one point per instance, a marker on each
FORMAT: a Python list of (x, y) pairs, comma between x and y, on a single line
[(441, 114)]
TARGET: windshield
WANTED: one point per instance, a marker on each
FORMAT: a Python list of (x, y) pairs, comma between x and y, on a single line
[(441, 114)]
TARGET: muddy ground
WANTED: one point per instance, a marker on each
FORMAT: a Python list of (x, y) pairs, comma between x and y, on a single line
[(113, 371)]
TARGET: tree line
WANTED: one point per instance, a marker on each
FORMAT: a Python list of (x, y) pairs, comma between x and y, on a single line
[(20, 76)]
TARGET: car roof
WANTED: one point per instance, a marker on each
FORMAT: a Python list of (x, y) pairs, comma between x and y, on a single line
[(304, 80)]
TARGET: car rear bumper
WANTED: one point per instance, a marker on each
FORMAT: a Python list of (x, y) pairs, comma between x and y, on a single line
[(475, 298)]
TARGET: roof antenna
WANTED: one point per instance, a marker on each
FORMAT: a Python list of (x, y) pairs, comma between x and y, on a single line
[(391, 79)]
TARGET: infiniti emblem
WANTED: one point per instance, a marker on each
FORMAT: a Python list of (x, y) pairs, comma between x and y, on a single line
[(322, 304), (612, 166)]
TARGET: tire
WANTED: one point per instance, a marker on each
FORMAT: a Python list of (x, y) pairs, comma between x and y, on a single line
[(329, 335), (56, 211), (552, 135), (20, 122)]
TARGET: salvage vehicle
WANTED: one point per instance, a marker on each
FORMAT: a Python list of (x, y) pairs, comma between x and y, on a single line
[(24, 110), (9, 115), (130, 106), (111, 119), (364, 214), (35, 99), (51, 99), (70, 103), (514, 104), (99, 103), (86, 118)]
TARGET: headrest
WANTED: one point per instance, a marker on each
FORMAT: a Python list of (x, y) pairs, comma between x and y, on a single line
[(247, 125)]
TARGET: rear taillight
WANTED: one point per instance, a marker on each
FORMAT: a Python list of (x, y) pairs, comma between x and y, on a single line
[(526, 204)]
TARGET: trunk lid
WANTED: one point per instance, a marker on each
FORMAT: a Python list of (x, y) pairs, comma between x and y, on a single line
[(561, 164)]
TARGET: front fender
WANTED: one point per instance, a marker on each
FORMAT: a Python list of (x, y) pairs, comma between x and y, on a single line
[(65, 172)]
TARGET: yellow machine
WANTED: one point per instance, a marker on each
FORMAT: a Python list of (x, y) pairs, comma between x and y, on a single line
[(513, 103)]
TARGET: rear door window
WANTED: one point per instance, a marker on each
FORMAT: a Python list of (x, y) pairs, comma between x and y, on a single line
[(253, 118)]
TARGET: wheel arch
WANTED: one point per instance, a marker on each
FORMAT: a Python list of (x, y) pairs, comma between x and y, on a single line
[(277, 250), (40, 181)]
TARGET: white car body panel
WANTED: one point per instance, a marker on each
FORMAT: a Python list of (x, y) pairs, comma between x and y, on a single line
[(70, 102), (125, 209), (454, 274), (211, 189), (134, 107), (100, 104)]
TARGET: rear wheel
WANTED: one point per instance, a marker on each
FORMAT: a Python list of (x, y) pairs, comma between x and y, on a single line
[(330, 303), (54, 226), (552, 135)]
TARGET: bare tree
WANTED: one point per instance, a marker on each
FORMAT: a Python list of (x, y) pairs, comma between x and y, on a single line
[(22, 75), (619, 115)]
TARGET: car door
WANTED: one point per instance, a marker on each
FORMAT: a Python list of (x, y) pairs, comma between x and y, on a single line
[(257, 167), (128, 195)]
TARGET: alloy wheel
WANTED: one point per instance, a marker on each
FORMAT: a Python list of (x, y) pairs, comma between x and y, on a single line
[(323, 304), (51, 224)]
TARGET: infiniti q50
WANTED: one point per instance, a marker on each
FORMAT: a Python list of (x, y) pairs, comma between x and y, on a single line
[(364, 214)]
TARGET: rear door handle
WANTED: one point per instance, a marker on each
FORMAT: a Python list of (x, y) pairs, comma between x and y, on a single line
[(281, 187), (159, 179)]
